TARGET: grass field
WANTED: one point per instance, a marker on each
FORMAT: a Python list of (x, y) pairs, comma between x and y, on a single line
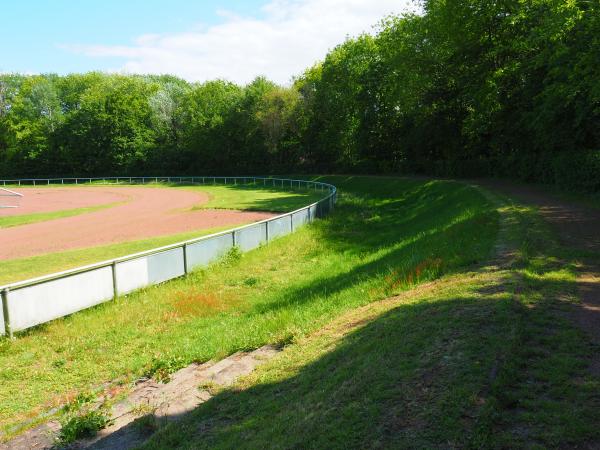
[(482, 358), (226, 197), (387, 236)]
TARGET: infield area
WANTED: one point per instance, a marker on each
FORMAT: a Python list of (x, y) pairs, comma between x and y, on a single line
[(56, 228)]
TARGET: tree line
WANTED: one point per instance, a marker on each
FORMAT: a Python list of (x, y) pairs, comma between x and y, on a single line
[(464, 88)]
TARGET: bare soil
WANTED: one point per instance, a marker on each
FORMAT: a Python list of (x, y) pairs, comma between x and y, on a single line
[(143, 213)]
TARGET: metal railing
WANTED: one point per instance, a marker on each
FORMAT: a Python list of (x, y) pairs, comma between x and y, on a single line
[(28, 303)]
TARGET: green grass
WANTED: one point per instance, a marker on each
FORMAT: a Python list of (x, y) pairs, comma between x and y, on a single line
[(386, 236), (482, 358), (241, 197), (24, 219)]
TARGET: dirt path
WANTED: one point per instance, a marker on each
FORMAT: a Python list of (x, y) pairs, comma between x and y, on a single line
[(577, 227), (144, 213)]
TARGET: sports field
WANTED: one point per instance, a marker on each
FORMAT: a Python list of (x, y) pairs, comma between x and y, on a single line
[(56, 228)]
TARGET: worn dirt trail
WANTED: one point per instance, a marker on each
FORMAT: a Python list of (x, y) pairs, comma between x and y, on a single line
[(142, 213), (577, 227)]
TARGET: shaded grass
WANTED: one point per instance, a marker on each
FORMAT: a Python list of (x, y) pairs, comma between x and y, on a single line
[(385, 237), (546, 396), (256, 198), (397, 374), (485, 358)]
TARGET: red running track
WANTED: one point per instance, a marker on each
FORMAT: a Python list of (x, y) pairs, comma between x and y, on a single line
[(139, 214)]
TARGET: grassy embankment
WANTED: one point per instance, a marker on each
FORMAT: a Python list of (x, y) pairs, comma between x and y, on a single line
[(487, 357), (386, 237), (221, 197)]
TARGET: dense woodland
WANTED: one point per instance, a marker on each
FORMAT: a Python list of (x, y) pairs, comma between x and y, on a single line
[(466, 88)]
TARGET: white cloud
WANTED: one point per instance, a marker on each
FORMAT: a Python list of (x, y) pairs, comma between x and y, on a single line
[(292, 36)]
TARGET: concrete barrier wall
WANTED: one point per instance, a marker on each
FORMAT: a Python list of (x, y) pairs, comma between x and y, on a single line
[(202, 253), (280, 227), (148, 270), (251, 237), (60, 297)]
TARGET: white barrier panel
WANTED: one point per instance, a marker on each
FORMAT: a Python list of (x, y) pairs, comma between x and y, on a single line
[(313, 212), (251, 237), (299, 218), (1, 321), (280, 227), (41, 303), (202, 253), (147, 270)]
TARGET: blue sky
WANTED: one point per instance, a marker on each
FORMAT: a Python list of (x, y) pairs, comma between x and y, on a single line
[(196, 40), (33, 32)]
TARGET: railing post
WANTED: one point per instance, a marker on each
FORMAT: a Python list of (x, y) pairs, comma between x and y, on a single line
[(7, 327), (185, 261), (114, 278)]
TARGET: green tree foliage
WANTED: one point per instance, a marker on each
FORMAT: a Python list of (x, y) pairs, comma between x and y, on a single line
[(465, 88)]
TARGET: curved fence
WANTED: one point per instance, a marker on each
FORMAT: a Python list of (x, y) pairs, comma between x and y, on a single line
[(28, 303)]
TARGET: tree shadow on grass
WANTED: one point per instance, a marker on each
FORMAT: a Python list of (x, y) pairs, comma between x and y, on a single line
[(400, 380), (462, 365), (289, 198)]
